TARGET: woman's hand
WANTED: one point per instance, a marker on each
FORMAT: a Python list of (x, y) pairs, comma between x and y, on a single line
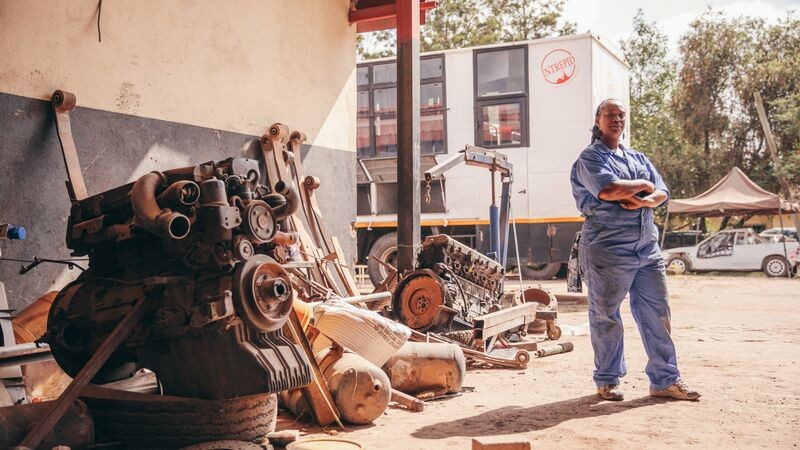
[(632, 203), (651, 201)]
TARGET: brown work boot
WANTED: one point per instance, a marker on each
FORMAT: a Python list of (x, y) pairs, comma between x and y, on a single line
[(610, 392), (679, 390)]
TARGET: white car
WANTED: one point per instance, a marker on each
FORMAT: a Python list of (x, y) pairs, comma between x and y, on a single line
[(775, 234), (734, 250)]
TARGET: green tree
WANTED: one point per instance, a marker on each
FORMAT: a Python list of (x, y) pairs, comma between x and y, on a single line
[(467, 23), (705, 100), (772, 68), (654, 128), (522, 20)]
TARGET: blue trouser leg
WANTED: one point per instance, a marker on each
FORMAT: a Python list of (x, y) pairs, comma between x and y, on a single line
[(609, 267), (650, 309)]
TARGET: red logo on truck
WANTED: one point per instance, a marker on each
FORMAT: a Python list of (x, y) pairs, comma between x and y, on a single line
[(558, 66)]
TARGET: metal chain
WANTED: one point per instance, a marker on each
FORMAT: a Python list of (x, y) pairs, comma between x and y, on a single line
[(428, 192)]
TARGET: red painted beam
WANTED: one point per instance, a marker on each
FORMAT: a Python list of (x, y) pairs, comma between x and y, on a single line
[(383, 17)]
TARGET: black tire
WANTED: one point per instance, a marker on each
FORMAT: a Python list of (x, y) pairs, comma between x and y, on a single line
[(678, 264), (156, 421), (544, 272), (384, 248), (775, 266)]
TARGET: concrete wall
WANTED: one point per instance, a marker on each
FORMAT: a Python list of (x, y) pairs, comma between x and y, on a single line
[(171, 84)]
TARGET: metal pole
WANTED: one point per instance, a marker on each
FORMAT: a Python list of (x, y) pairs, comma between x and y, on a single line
[(664, 233), (783, 239), (408, 181)]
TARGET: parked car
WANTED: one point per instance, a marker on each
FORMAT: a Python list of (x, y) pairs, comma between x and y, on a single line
[(774, 234), (734, 250), (675, 239)]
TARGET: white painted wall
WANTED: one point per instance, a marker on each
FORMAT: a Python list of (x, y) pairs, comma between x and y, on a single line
[(230, 65)]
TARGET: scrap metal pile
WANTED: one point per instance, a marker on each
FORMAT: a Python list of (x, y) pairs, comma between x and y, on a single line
[(204, 275)]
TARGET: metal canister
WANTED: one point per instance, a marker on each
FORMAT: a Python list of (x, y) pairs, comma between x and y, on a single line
[(427, 367)]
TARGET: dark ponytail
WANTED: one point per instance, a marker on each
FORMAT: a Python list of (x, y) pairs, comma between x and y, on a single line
[(596, 133)]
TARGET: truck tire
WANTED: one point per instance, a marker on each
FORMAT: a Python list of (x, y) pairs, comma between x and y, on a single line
[(544, 272), (156, 421), (775, 266), (384, 248), (678, 264)]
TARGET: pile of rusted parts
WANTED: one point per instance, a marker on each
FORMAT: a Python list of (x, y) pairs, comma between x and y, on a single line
[(204, 276), (456, 294)]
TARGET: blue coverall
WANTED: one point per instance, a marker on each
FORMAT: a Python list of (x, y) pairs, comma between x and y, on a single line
[(619, 253)]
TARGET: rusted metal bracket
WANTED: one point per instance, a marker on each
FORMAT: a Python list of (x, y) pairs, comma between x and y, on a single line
[(63, 102)]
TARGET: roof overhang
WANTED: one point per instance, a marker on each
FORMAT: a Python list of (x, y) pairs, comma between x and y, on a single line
[(376, 15)]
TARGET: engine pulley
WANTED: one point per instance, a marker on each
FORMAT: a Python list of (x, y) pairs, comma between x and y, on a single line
[(262, 293)]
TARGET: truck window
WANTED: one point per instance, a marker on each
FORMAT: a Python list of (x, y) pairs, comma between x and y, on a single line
[(501, 97), (376, 135)]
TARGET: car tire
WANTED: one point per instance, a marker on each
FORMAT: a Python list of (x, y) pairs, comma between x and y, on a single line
[(155, 421), (545, 272), (385, 249), (678, 264), (775, 266)]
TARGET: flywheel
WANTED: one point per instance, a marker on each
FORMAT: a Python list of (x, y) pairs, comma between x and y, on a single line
[(417, 299)]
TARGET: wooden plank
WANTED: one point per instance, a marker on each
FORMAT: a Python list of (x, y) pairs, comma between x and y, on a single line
[(317, 393), (344, 269), (82, 379)]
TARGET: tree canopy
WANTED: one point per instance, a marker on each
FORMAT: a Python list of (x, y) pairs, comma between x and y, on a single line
[(695, 115), (467, 23)]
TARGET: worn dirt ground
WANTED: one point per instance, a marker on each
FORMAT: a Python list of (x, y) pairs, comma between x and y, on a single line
[(738, 343)]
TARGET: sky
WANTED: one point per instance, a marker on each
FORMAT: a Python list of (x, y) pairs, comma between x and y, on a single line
[(613, 20)]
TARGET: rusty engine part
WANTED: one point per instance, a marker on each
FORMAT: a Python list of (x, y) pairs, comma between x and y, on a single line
[(546, 313), (359, 388), (452, 284), (427, 368), (200, 245)]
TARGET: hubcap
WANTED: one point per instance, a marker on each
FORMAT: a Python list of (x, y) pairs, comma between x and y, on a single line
[(677, 266), (775, 267)]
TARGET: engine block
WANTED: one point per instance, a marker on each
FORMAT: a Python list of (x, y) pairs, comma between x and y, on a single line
[(204, 246)]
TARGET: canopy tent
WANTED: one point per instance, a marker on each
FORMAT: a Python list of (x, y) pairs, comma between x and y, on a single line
[(735, 194)]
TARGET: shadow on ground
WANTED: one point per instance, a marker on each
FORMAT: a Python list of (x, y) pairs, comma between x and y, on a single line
[(513, 419)]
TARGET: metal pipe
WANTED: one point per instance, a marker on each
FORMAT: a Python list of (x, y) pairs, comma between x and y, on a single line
[(563, 347), (179, 193), (367, 298), (292, 200), (161, 222)]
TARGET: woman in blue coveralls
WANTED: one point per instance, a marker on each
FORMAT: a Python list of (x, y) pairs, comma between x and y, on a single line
[(616, 189)]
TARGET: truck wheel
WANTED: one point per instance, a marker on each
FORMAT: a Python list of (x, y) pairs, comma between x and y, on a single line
[(385, 249), (775, 266), (543, 272), (678, 264)]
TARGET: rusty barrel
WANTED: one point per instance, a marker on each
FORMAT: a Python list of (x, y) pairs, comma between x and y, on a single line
[(360, 390), (31, 323), (75, 429), (421, 367)]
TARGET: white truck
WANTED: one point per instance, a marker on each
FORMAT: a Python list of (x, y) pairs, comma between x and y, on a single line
[(533, 101), (739, 249)]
